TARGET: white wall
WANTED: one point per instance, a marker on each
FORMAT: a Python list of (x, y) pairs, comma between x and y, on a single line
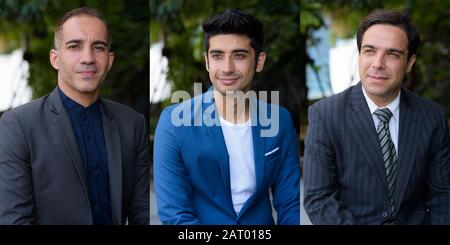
[(14, 89), (159, 86), (344, 65)]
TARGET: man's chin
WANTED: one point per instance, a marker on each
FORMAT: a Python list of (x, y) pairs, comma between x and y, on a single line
[(225, 89), (87, 89)]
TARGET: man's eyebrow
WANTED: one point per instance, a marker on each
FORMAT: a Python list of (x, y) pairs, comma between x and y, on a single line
[(216, 51), (368, 46), (391, 50), (394, 50), (76, 41), (240, 51)]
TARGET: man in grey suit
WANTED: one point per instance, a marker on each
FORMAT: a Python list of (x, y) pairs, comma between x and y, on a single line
[(72, 157), (377, 153)]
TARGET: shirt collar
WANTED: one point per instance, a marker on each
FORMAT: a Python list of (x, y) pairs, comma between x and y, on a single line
[(73, 106), (394, 106)]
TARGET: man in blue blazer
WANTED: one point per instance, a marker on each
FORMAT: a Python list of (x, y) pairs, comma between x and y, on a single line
[(377, 153), (224, 157)]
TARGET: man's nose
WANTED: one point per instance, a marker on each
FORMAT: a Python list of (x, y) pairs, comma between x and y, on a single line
[(229, 65), (379, 62), (87, 56)]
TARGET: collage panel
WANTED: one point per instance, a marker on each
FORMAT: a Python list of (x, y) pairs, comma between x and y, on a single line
[(225, 112)]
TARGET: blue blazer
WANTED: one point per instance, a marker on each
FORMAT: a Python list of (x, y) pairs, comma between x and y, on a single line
[(192, 176)]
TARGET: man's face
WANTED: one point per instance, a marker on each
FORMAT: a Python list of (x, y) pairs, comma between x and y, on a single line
[(230, 62), (383, 61), (83, 58)]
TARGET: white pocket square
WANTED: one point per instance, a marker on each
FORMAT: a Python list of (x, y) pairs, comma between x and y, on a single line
[(272, 151)]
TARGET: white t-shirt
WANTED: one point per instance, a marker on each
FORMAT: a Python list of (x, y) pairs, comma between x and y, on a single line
[(238, 139)]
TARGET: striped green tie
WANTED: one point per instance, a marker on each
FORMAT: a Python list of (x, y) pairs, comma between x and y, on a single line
[(387, 151)]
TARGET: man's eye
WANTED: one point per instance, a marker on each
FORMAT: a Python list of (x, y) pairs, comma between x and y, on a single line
[(216, 56), (369, 51), (73, 46), (394, 55), (99, 48), (240, 56)]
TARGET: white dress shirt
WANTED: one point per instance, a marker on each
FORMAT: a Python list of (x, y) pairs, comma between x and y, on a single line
[(394, 107)]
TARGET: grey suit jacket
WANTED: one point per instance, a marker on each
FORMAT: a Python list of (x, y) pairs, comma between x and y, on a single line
[(42, 180), (344, 176)]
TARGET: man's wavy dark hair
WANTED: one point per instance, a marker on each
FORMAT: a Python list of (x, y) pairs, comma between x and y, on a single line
[(399, 19), (234, 21)]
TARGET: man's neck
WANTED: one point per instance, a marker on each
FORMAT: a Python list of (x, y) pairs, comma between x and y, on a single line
[(233, 109), (381, 102), (84, 99)]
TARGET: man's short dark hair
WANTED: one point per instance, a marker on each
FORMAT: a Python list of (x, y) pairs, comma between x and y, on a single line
[(399, 19), (234, 21), (86, 11)]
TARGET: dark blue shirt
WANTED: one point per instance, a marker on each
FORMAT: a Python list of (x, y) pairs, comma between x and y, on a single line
[(88, 129)]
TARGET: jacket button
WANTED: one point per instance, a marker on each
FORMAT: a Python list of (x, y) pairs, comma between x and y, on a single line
[(384, 214)]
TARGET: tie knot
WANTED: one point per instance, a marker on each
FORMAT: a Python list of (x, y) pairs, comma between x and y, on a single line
[(383, 114)]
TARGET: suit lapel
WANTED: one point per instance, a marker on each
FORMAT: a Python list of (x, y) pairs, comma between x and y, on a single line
[(64, 126), (113, 149), (408, 141), (218, 143), (361, 125), (258, 154)]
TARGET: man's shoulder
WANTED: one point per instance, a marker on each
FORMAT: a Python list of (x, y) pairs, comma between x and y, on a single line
[(189, 109), (269, 108), (120, 110), (422, 103), (337, 100), (29, 109), (193, 103)]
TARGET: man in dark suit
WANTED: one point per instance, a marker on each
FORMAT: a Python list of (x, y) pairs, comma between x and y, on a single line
[(222, 168), (377, 153), (72, 157)]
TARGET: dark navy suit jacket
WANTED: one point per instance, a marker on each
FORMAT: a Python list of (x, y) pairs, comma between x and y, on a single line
[(344, 173)]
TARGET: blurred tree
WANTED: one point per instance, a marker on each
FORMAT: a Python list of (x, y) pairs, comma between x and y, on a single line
[(178, 24), (310, 20), (29, 24)]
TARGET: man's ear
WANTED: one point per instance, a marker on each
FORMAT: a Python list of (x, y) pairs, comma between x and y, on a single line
[(411, 61), (206, 62), (111, 59), (260, 61), (54, 58)]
